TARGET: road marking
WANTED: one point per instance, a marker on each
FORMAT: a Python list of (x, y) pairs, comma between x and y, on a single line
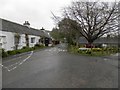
[(12, 60), (117, 54), (12, 69), (55, 49), (12, 65), (16, 63), (106, 59), (1, 65), (26, 58)]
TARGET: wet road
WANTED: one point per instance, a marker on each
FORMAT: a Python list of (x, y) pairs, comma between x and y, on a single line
[(56, 68)]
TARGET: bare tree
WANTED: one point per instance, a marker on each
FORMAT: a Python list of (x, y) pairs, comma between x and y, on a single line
[(95, 18)]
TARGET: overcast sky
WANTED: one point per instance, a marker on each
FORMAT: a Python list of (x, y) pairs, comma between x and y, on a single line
[(37, 12)]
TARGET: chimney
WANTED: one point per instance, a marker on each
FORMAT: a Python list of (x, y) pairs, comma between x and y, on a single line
[(42, 28), (26, 24)]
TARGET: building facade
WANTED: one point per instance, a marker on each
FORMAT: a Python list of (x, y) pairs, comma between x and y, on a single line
[(109, 41), (16, 36)]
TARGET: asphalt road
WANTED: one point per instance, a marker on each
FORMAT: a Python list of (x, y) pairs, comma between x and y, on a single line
[(56, 68)]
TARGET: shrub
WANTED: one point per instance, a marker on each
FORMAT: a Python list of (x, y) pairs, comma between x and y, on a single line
[(96, 49), (119, 50), (0, 52), (112, 49), (4, 54), (19, 51), (25, 47), (11, 52), (73, 48), (115, 50), (88, 52), (37, 45), (42, 46)]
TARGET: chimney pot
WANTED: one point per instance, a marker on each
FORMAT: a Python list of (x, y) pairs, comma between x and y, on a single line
[(26, 24)]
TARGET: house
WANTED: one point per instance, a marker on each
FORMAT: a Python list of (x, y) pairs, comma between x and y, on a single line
[(109, 41), (16, 36), (47, 40)]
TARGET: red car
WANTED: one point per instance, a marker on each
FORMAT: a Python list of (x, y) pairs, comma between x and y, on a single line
[(89, 46)]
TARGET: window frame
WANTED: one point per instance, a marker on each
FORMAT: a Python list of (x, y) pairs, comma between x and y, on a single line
[(32, 40)]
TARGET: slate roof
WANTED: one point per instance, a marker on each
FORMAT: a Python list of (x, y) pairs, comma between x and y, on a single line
[(105, 40), (9, 26)]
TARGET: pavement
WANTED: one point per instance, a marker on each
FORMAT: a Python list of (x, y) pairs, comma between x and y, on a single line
[(56, 68)]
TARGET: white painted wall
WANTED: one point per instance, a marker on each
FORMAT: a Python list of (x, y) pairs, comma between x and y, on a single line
[(36, 40), (8, 40), (22, 41)]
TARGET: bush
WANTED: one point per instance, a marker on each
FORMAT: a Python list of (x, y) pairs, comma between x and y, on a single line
[(73, 49), (96, 49), (25, 47), (4, 54), (37, 45), (111, 49), (11, 52), (19, 51), (115, 50), (88, 52), (42, 46), (119, 50)]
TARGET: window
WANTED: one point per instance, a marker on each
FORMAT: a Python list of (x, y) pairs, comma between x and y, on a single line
[(32, 40)]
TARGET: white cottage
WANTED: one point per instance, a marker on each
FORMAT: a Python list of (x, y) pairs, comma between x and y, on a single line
[(16, 36)]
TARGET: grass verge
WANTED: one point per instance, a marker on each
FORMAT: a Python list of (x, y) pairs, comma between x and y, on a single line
[(93, 51)]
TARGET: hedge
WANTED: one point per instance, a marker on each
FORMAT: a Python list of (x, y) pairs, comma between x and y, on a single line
[(24, 49)]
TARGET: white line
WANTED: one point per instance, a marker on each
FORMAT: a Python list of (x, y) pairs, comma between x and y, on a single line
[(106, 59), (17, 63), (12, 69), (1, 65), (117, 54), (12, 65), (12, 60)]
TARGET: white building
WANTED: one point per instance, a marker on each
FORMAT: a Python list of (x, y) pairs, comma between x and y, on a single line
[(16, 36)]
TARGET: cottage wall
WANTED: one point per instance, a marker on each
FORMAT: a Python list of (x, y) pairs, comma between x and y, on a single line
[(36, 40), (14, 35), (8, 40), (22, 41)]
